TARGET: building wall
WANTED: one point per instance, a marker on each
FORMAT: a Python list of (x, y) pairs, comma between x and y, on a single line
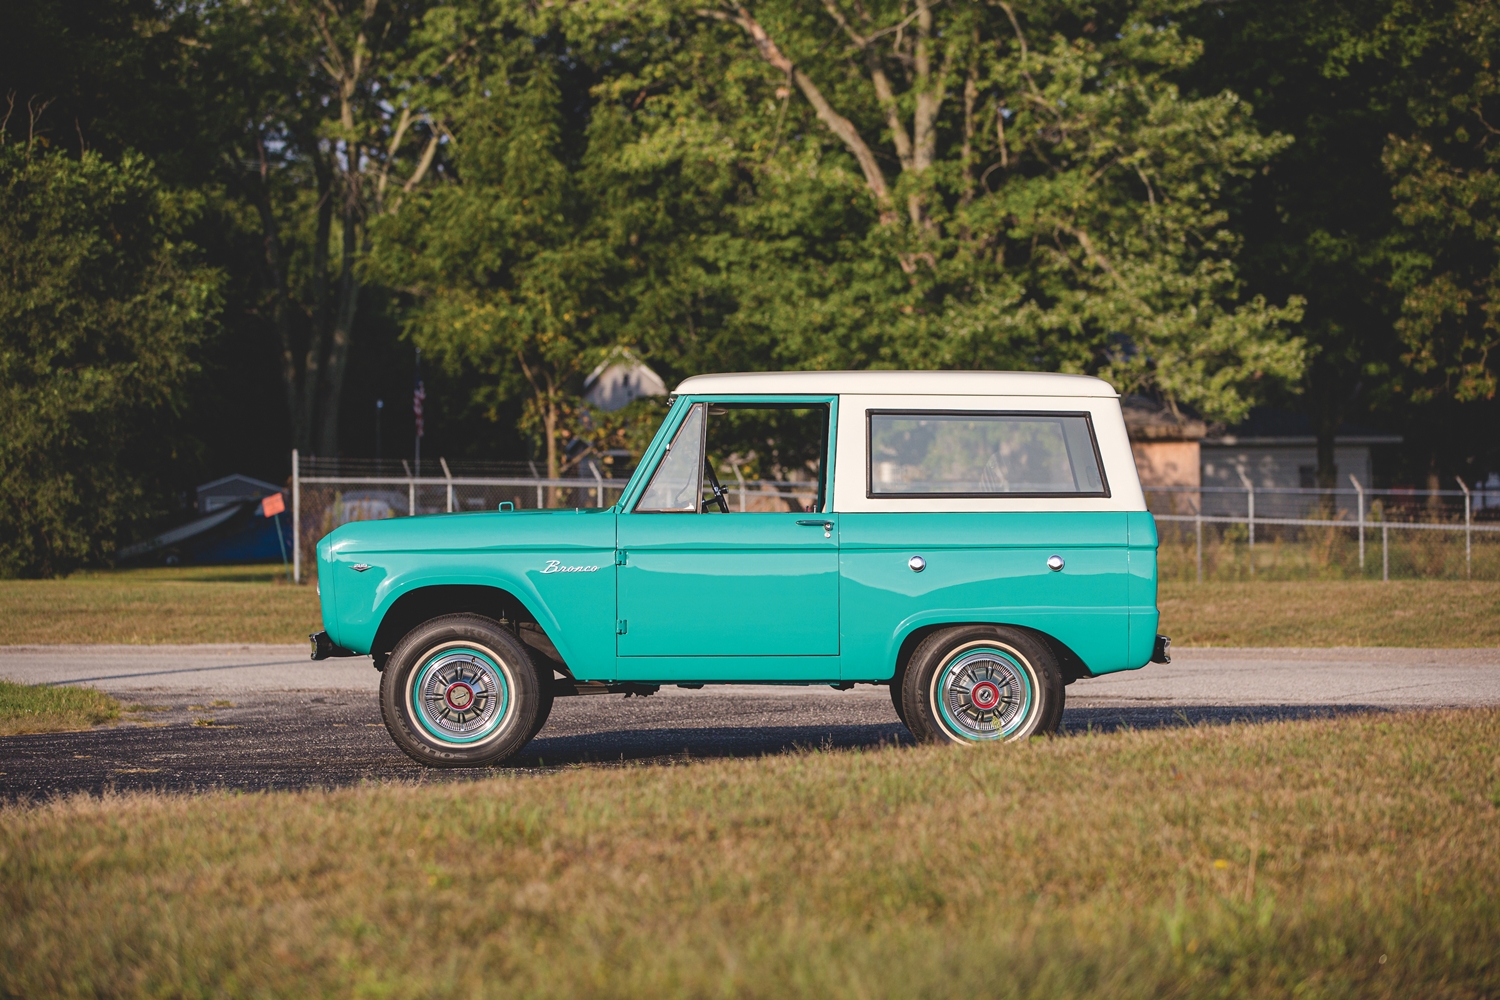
[(1167, 463), (1289, 466), (1280, 466)]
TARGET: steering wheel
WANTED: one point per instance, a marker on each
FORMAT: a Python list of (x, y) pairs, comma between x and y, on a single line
[(719, 492)]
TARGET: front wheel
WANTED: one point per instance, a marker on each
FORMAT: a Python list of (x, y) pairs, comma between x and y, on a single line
[(982, 683), (460, 691)]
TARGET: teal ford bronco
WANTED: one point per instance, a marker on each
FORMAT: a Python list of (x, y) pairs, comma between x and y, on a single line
[(974, 540)]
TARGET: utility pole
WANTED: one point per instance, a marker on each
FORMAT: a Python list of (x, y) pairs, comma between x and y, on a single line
[(379, 409)]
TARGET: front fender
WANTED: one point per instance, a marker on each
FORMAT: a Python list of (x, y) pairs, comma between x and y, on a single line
[(376, 567)]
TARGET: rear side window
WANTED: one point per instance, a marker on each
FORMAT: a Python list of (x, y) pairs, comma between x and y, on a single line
[(936, 453)]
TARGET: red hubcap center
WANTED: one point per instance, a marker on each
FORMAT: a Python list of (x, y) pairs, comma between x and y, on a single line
[(986, 695), (459, 696)]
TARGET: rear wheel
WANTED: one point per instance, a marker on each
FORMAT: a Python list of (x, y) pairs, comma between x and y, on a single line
[(982, 683), (460, 691)]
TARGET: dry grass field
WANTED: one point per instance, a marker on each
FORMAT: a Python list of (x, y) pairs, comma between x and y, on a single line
[(1352, 857), (26, 708), (1437, 614), (159, 605), (256, 604)]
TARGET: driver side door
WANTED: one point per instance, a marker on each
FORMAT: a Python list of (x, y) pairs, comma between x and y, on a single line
[(728, 592)]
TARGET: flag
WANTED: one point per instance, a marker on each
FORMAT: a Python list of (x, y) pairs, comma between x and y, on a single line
[(418, 394)]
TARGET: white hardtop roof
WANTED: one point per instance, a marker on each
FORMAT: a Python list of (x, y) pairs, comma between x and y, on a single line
[(889, 383)]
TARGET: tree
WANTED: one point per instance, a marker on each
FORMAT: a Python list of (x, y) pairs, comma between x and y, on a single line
[(506, 264), (102, 311), (329, 134), (1027, 191), (1376, 215), (1446, 173)]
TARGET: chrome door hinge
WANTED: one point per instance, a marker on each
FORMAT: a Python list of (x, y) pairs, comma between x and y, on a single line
[(620, 555), (620, 627)]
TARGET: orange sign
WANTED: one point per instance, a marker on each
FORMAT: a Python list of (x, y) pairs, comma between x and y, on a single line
[(273, 504)]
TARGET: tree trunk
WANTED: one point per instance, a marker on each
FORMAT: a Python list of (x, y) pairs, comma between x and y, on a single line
[(312, 367), (1328, 470), (1434, 483), (971, 94), (343, 326), (1324, 393), (836, 123), (281, 305), (549, 419)]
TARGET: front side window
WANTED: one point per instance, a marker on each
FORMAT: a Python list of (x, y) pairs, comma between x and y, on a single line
[(743, 457), (971, 454), (674, 487)]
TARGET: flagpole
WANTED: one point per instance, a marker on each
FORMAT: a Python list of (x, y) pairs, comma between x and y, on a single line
[(418, 395)]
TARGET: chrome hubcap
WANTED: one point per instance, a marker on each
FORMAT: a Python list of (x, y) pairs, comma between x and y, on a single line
[(984, 694), (460, 696)]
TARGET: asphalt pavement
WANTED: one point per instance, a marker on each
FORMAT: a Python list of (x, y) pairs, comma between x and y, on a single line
[(262, 717)]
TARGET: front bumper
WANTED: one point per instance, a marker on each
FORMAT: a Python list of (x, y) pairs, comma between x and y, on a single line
[(324, 647)]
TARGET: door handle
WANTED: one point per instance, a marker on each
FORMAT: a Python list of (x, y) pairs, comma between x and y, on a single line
[(827, 526)]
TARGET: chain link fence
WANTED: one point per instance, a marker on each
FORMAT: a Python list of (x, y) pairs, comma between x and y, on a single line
[(329, 492), (1219, 533), (1207, 533)]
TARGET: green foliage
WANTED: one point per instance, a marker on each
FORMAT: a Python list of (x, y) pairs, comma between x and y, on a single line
[(1447, 190), (516, 268), (1381, 214), (1221, 205), (1066, 215), (102, 309), (1058, 204)]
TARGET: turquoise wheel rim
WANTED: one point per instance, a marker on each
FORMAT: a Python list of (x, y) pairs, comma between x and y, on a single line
[(460, 695), (984, 693)]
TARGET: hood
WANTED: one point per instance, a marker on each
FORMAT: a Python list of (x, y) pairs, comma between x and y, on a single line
[(469, 532)]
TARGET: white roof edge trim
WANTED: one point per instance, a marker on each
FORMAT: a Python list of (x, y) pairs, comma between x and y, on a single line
[(899, 383)]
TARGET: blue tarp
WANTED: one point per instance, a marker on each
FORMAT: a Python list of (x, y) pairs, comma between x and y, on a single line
[(238, 533)]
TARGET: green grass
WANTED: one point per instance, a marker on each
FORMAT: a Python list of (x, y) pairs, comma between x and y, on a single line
[(28, 708), (256, 604), (1351, 857), (159, 605), (1444, 614)]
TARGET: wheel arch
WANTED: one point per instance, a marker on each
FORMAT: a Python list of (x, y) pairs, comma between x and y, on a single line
[(424, 603), (1069, 663)]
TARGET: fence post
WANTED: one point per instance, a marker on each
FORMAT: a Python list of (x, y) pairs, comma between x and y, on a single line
[(448, 476), (1251, 506), (1468, 529), (739, 476), (1198, 523), (1385, 552), (598, 485), (296, 519), (536, 475), (1250, 512), (1361, 491)]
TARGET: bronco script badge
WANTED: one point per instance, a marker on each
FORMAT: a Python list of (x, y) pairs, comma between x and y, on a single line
[(555, 566)]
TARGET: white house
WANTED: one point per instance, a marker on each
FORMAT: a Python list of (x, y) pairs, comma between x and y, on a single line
[(619, 380)]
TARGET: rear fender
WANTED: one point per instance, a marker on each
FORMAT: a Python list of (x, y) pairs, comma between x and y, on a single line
[(1069, 663)]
